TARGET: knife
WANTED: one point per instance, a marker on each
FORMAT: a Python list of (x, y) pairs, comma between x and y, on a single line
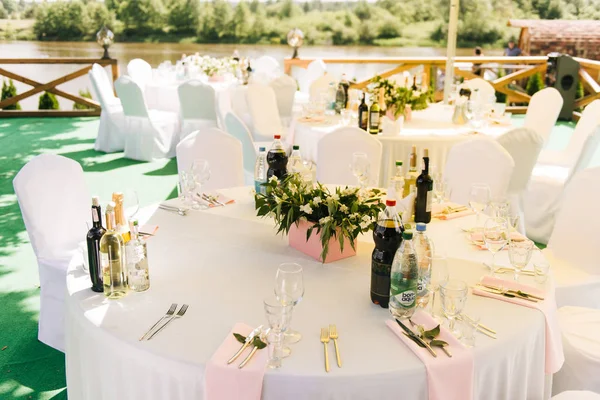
[(247, 343), (502, 293), (516, 292), (415, 337)]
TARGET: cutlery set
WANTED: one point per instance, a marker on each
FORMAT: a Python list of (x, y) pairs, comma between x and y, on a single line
[(479, 327), (256, 333), (326, 335), (214, 200), (165, 319), (178, 210), (509, 293), (416, 338)]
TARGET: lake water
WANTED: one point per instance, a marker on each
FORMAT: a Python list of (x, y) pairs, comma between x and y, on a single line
[(155, 53)]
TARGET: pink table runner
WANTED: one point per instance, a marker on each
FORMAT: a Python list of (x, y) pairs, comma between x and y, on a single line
[(225, 382), (447, 378), (554, 350)]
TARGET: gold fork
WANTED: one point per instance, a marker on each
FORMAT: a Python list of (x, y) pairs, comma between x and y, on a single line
[(325, 340), (333, 334)]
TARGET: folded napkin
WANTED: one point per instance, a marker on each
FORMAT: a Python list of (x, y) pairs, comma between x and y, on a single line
[(442, 211), (477, 239), (223, 381), (447, 378), (554, 348)]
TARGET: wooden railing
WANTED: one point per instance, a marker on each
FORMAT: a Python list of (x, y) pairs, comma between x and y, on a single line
[(51, 86), (516, 69)]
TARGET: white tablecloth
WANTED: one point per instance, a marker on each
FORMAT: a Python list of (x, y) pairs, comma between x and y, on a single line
[(222, 262), (431, 128)]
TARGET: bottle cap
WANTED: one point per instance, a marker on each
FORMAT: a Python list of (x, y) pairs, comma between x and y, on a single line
[(407, 235), (110, 206), (398, 163), (296, 147), (421, 227), (390, 202), (262, 148), (426, 153), (95, 201), (277, 136)]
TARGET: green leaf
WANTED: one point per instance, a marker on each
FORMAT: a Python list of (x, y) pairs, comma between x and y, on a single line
[(259, 344), (430, 334), (240, 338), (438, 343)]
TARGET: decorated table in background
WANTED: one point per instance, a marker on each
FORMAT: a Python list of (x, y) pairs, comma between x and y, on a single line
[(222, 262), (431, 128)]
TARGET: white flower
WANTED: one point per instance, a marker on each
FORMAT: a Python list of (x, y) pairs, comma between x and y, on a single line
[(417, 93), (277, 200), (316, 201), (354, 216), (344, 208), (335, 197), (293, 189), (348, 191), (365, 224), (284, 197), (366, 218), (273, 179), (324, 220), (306, 209)]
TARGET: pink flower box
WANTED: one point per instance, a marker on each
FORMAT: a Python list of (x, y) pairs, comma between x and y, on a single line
[(312, 247)]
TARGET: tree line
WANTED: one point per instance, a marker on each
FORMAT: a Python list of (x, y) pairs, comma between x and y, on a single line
[(482, 22)]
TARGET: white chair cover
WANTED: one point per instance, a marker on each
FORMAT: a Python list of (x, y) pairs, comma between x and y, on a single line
[(149, 134), (478, 160), (577, 395), (265, 114), (334, 156), (581, 345), (237, 129), (321, 85), (140, 71), (223, 153), (265, 65), (486, 90), (198, 110), (285, 90), (542, 111), (54, 202), (111, 135), (314, 71)]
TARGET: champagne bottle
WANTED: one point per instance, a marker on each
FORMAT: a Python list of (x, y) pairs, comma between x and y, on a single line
[(112, 258), (414, 85), (424, 193), (412, 174), (363, 114), (121, 222), (374, 117), (94, 236)]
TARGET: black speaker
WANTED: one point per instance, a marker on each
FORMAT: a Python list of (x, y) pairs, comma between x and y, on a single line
[(563, 75)]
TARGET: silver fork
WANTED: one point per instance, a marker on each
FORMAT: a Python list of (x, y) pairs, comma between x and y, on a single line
[(170, 312), (180, 211), (179, 314)]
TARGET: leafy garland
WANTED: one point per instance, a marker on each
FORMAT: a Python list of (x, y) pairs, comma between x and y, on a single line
[(397, 97), (342, 214)]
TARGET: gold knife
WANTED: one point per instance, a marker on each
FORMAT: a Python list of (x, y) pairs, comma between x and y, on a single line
[(516, 292), (249, 338), (247, 359)]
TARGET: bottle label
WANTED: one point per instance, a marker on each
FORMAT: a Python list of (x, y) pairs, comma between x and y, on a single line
[(364, 120), (403, 292), (375, 119), (429, 199), (422, 290), (95, 214)]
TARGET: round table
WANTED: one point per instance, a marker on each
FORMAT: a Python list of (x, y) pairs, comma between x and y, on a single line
[(222, 262), (431, 129)]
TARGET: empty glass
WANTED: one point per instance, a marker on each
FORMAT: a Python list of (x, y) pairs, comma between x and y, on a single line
[(454, 297), (519, 254), (469, 324), (495, 237), (187, 185), (440, 186), (201, 173), (541, 269), (278, 314), (439, 274), (479, 198), (360, 168), (346, 117), (289, 283)]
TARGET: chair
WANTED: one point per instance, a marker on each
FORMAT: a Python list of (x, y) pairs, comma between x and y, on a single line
[(265, 65), (479, 160), (285, 90), (111, 136), (581, 345), (321, 85), (334, 155), (140, 71), (574, 247), (486, 90), (198, 109), (54, 200), (223, 153), (524, 146), (577, 395), (264, 112), (236, 128), (314, 70), (542, 112), (149, 134), (541, 200)]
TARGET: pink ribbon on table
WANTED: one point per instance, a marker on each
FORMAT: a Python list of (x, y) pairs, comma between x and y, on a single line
[(554, 349), (226, 381), (448, 378)]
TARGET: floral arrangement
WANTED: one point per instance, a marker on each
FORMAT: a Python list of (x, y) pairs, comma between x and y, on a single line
[(342, 214), (213, 66), (397, 97)]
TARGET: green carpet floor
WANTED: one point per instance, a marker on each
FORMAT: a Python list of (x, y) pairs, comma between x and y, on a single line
[(29, 369)]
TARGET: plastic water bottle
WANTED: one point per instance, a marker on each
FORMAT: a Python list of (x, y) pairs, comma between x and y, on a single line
[(404, 279), (423, 245), (260, 171), (295, 165), (396, 188)]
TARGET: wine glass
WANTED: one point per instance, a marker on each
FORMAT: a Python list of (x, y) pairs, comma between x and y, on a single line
[(454, 298), (289, 283), (502, 209), (519, 254), (201, 173), (279, 313), (495, 237), (346, 117), (439, 274), (439, 187), (360, 168), (479, 198)]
